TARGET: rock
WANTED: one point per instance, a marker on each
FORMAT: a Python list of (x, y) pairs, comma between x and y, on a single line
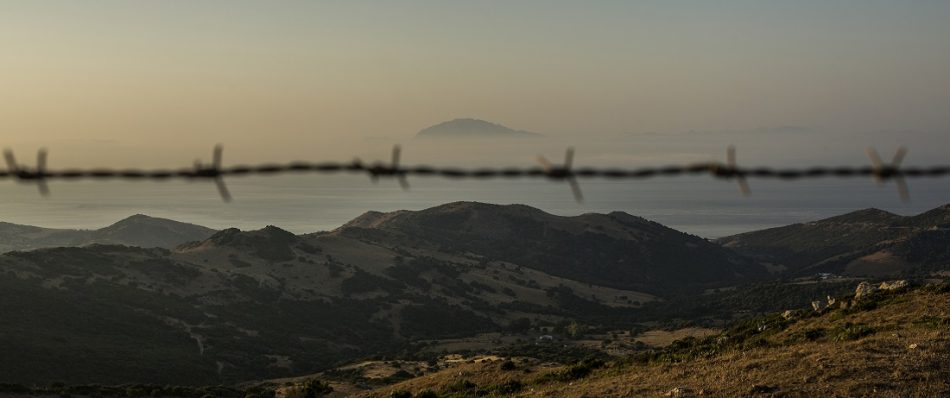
[(894, 285), (789, 314), (913, 346), (679, 392), (817, 305), (864, 289)]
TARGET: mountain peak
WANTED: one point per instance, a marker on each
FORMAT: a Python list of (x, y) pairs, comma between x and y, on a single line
[(136, 218), (145, 231), (870, 215), (471, 128), (269, 243)]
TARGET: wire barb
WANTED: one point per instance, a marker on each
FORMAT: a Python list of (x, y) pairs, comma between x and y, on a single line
[(24, 174), (215, 172), (883, 172), (731, 170), (392, 170), (564, 173)]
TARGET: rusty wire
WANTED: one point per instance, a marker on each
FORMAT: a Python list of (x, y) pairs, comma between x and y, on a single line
[(729, 170)]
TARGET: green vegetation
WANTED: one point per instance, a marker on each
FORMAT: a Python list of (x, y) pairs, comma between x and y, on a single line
[(850, 331), (576, 371), (314, 388)]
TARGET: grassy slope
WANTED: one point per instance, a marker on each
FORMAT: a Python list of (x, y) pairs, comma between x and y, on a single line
[(864, 350)]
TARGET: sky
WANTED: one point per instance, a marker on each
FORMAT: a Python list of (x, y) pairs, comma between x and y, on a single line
[(158, 84)]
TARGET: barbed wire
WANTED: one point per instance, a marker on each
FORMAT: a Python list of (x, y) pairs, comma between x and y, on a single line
[(879, 170)]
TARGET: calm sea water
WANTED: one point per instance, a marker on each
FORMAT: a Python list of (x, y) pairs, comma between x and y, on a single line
[(308, 203)]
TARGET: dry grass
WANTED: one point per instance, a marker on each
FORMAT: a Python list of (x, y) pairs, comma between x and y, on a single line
[(662, 338), (903, 350)]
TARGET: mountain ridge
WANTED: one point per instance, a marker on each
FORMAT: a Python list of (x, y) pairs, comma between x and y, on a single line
[(616, 249), (864, 242)]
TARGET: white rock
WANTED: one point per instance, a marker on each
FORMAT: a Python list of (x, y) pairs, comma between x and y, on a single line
[(864, 289), (679, 392), (893, 285)]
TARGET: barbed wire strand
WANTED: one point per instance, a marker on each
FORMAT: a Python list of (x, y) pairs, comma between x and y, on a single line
[(879, 171)]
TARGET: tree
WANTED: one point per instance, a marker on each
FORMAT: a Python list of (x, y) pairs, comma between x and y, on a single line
[(575, 330), (314, 388)]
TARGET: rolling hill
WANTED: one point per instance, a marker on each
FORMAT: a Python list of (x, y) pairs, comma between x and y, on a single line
[(138, 230), (267, 303), (865, 242), (234, 305), (616, 249), (890, 345)]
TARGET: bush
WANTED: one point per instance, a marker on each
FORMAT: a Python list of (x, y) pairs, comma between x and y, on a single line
[(461, 387), (316, 388), (574, 372), (508, 387), (851, 331), (400, 394)]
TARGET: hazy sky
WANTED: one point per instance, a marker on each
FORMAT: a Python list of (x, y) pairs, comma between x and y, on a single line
[(156, 83)]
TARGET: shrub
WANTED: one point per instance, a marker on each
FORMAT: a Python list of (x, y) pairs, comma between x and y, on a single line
[(316, 388), (508, 387), (400, 394), (574, 372), (851, 331)]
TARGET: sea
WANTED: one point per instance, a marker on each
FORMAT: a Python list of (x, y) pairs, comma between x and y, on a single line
[(305, 203)]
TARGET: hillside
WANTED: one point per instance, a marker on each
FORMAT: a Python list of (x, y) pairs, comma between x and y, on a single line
[(866, 242), (616, 249), (245, 304), (138, 230), (889, 344), (472, 128)]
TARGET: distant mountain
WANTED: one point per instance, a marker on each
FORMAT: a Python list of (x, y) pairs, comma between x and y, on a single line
[(471, 128), (138, 230), (864, 242)]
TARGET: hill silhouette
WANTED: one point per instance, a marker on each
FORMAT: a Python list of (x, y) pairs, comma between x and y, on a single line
[(138, 230), (472, 128), (863, 242)]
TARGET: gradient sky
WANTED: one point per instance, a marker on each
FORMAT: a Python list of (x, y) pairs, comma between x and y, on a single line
[(158, 83)]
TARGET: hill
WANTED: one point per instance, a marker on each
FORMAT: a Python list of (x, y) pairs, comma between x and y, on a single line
[(888, 344), (616, 249), (246, 304), (472, 128), (866, 242), (138, 230)]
